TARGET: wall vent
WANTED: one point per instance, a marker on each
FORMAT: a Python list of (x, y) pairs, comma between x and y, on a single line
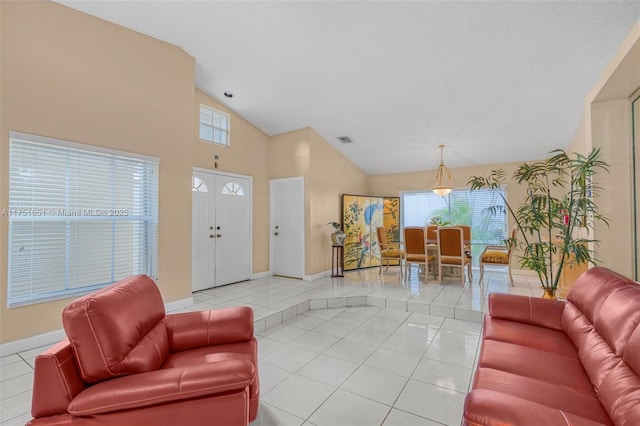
[(345, 139)]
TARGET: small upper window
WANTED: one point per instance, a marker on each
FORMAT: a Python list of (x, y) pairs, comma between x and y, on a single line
[(198, 185), (214, 125), (232, 188)]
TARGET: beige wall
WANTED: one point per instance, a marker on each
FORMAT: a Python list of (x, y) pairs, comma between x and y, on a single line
[(332, 174), (327, 175), (246, 155), (71, 76), (608, 127)]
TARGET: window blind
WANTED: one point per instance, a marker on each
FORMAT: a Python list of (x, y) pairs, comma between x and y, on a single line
[(461, 207), (79, 218)]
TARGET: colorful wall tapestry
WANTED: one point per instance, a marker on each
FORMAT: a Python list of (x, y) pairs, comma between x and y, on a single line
[(361, 216)]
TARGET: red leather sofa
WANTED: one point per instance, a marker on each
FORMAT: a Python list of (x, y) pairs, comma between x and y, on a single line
[(547, 362), (127, 363)]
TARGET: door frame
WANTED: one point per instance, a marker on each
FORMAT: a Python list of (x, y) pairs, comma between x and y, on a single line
[(272, 224), (236, 175)]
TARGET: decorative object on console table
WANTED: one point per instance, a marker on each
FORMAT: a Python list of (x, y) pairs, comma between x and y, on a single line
[(559, 199), (338, 236)]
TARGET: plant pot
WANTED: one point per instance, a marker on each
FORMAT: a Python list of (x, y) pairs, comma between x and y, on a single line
[(549, 294), (337, 238)]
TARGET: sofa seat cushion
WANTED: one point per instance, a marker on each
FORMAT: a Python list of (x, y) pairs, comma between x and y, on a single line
[(531, 336), (245, 350), (486, 407), (536, 364), (548, 394)]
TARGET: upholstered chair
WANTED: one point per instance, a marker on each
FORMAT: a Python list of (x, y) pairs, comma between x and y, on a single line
[(451, 251), (497, 255), (125, 362), (389, 250), (415, 247)]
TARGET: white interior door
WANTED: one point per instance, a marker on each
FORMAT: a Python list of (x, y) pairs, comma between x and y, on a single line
[(233, 229), (203, 247), (221, 229), (287, 227)]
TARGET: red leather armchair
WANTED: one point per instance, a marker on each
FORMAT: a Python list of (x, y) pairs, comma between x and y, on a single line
[(126, 362)]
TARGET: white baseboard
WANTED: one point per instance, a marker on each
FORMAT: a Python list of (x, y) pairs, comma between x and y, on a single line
[(264, 274), (316, 276), (178, 304), (32, 342), (51, 337)]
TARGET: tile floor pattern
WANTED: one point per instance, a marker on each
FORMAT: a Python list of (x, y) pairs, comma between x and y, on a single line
[(328, 359)]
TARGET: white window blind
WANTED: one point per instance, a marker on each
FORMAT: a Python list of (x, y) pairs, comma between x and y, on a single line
[(79, 218), (214, 125), (461, 207)]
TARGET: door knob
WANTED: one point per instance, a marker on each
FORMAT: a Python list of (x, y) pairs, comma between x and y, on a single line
[(218, 236), (275, 233), (211, 236)]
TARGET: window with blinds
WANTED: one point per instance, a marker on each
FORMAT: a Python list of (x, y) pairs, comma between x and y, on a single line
[(461, 207), (79, 218), (214, 125)]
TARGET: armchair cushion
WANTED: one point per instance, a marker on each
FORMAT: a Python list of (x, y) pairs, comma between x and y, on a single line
[(107, 345), (162, 386)]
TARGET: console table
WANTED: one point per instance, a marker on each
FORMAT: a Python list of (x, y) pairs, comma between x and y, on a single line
[(337, 260)]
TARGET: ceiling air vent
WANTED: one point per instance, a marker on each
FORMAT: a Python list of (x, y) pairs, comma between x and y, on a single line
[(344, 139)]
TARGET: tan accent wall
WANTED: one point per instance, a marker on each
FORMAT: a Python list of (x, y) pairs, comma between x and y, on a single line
[(579, 143), (327, 174), (246, 154), (332, 175), (71, 76), (608, 126)]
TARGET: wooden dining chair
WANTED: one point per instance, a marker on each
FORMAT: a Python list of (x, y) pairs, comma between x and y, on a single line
[(497, 255), (415, 248), (388, 250), (451, 251)]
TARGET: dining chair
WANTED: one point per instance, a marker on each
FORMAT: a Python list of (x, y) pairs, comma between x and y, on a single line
[(388, 250), (432, 236), (498, 255), (415, 248), (451, 251)]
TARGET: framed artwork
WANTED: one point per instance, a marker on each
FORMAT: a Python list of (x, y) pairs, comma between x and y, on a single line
[(361, 216)]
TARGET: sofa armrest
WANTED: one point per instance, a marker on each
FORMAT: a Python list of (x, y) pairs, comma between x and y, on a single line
[(162, 386), (56, 381), (486, 407), (528, 310), (203, 328)]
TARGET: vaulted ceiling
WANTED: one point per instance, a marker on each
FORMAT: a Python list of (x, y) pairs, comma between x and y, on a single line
[(494, 82)]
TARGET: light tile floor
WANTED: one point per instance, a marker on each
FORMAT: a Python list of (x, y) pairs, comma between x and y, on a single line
[(365, 349)]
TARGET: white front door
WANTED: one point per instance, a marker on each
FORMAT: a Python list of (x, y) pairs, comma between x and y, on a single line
[(233, 229), (287, 227), (221, 229)]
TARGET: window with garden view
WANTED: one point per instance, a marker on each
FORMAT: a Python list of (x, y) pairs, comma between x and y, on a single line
[(461, 207)]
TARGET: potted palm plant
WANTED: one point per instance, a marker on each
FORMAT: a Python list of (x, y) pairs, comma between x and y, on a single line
[(557, 215)]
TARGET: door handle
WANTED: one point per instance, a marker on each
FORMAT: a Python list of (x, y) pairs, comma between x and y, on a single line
[(275, 233), (218, 236), (211, 236)]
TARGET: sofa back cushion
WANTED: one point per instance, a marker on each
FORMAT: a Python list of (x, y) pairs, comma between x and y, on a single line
[(118, 330), (601, 317)]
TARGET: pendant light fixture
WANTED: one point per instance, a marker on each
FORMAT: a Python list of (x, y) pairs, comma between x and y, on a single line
[(443, 188)]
